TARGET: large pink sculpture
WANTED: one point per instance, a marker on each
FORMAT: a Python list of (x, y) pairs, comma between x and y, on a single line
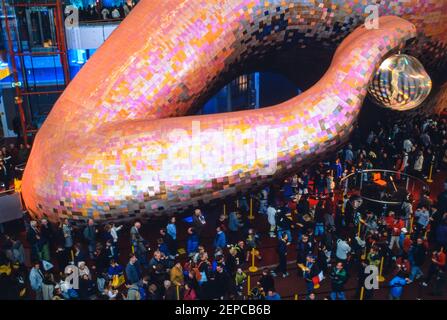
[(117, 144)]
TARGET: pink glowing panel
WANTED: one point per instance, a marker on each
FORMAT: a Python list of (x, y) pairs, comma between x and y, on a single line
[(113, 148)]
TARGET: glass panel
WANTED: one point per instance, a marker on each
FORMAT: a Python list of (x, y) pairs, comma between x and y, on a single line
[(37, 29)]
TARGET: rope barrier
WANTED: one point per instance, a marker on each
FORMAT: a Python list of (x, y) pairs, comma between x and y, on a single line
[(293, 296)]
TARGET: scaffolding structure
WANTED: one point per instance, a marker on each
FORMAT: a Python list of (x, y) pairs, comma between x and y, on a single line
[(22, 52)]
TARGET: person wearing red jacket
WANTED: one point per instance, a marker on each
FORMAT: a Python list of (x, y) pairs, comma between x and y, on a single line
[(395, 228)]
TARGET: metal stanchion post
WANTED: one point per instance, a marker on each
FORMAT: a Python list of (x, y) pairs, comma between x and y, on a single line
[(363, 257), (362, 292), (381, 277), (430, 180), (251, 216), (253, 268)]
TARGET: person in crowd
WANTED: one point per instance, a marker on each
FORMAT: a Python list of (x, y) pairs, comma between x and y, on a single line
[(284, 225), (338, 277), (67, 230), (263, 200), (176, 275), (47, 238), (90, 232), (266, 281), (417, 256), (189, 293), (170, 292), (220, 241), (343, 250), (422, 216), (133, 272), (252, 241), (272, 295), (438, 263), (198, 222), (111, 237), (138, 244), (234, 225), (36, 278), (171, 233), (48, 286), (397, 286), (115, 13), (310, 273), (5, 175), (105, 13), (271, 218), (192, 243), (240, 280), (34, 239), (282, 253)]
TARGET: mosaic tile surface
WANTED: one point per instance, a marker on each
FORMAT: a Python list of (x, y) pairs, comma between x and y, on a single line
[(117, 144)]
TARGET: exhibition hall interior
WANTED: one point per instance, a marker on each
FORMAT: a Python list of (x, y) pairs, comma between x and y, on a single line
[(232, 150)]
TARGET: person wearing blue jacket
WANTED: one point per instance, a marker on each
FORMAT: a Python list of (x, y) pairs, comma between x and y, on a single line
[(192, 242), (397, 286), (272, 295), (36, 280), (171, 238), (221, 240), (133, 273)]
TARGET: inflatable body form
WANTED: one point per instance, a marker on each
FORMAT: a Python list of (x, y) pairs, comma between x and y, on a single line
[(118, 143)]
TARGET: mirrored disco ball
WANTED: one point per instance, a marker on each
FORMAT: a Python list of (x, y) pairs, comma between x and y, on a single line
[(401, 83)]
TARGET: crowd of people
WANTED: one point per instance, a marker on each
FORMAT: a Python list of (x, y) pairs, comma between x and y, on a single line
[(99, 12), (321, 228), (10, 157)]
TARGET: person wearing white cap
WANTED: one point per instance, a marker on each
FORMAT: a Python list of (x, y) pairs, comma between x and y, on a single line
[(403, 234)]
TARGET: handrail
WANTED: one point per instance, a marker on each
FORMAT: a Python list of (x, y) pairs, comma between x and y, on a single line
[(384, 171), (95, 22), (7, 191), (20, 167)]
